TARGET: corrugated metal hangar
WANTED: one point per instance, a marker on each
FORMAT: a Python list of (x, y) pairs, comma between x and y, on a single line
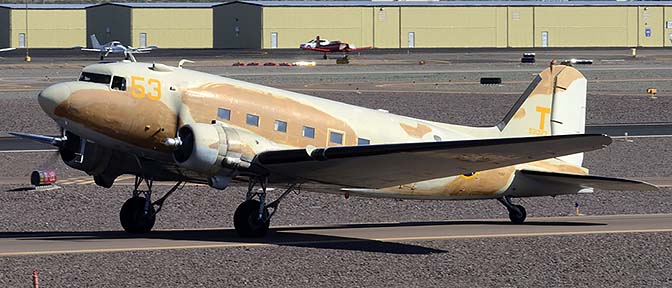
[(477, 24), (167, 25), (382, 24), (49, 25)]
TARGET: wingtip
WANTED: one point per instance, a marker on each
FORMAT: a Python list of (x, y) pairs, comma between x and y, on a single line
[(607, 140)]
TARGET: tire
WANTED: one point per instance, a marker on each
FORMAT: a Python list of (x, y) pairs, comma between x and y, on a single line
[(518, 214), (133, 218), (102, 181), (246, 221)]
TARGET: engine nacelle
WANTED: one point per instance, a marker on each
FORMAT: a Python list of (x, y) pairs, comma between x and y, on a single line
[(208, 148), (85, 156)]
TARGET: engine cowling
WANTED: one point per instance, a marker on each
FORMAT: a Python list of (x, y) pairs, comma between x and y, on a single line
[(208, 148), (83, 155)]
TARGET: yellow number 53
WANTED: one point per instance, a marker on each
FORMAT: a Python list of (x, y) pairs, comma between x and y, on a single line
[(139, 86)]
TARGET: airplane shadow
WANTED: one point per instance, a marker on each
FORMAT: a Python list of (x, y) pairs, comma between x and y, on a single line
[(282, 236), (224, 236)]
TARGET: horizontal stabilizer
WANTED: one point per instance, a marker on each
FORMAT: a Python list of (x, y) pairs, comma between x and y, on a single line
[(379, 166), (590, 181)]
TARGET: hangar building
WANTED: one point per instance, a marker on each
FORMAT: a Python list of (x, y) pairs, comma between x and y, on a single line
[(167, 25), (382, 24), (451, 24), (49, 25)]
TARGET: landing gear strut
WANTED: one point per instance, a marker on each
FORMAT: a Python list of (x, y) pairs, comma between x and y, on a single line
[(253, 217), (517, 213), (138, 213)]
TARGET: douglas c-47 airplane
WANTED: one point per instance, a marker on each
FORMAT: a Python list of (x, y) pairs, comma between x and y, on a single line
[(163, 123)]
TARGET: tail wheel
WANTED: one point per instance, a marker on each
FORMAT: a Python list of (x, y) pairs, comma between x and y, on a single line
[(133, 217), (246, 220), (517, 214)]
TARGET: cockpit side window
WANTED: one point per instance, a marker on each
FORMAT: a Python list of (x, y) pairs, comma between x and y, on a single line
[(119, 83), (95, 78)]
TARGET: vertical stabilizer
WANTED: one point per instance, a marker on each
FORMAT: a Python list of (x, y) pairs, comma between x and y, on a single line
[(553, 104), (95, 43)]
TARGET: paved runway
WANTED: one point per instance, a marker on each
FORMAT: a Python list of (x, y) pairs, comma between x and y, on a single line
[(380, 234)]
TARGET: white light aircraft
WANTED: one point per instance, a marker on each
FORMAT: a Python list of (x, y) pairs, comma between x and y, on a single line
[(116, 47)]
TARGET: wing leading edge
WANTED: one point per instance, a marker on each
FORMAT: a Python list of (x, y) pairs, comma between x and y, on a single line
[(378, 166)]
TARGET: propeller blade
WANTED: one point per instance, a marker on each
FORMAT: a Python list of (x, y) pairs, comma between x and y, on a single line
[(55, 141)]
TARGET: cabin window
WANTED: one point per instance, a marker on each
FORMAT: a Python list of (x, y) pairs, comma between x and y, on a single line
[(308, 132), (95, 78), (224, 114), (280, 126), (119, 83), (252, 120), (362, 141), (335, 137)]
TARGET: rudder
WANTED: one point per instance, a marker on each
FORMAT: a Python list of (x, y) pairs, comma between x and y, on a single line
[(553, 104), (94, 42)]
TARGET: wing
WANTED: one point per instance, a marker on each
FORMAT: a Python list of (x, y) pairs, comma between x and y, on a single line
[(92, 50), (144, 50), (6, 49), (318, 49), (377, 166), (361, 48), (590, 181)]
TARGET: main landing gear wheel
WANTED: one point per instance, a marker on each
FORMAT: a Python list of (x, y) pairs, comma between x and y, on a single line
[(138, 213), (253, 217), (246, 220), (134, 218), (517, 213)]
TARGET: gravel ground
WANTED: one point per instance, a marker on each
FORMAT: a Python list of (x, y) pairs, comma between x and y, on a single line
[(618, 260), (607, 260)]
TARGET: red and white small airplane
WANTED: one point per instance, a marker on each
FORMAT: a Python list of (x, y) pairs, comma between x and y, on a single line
[(325, 46)]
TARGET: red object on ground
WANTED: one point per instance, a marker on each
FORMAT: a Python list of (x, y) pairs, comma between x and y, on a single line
[(40, 178), (36, 281)]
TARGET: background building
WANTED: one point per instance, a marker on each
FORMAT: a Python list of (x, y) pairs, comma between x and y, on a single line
[(167, 25), (49, 25), (382, 24), (445, 24)]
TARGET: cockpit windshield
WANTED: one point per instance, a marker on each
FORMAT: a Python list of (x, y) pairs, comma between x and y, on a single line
[(95, 77)]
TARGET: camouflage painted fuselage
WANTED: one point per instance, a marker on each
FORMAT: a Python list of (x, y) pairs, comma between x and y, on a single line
[(156, 100)]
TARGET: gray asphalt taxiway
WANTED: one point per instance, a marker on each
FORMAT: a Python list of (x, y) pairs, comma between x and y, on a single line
[(32, 243)]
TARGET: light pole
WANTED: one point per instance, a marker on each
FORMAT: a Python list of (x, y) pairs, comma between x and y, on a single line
[(25, 35)]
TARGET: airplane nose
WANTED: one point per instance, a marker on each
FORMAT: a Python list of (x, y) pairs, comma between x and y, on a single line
[(52, 96)]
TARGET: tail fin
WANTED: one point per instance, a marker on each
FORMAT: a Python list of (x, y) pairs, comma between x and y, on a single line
[(95, 43), (553, 104)]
